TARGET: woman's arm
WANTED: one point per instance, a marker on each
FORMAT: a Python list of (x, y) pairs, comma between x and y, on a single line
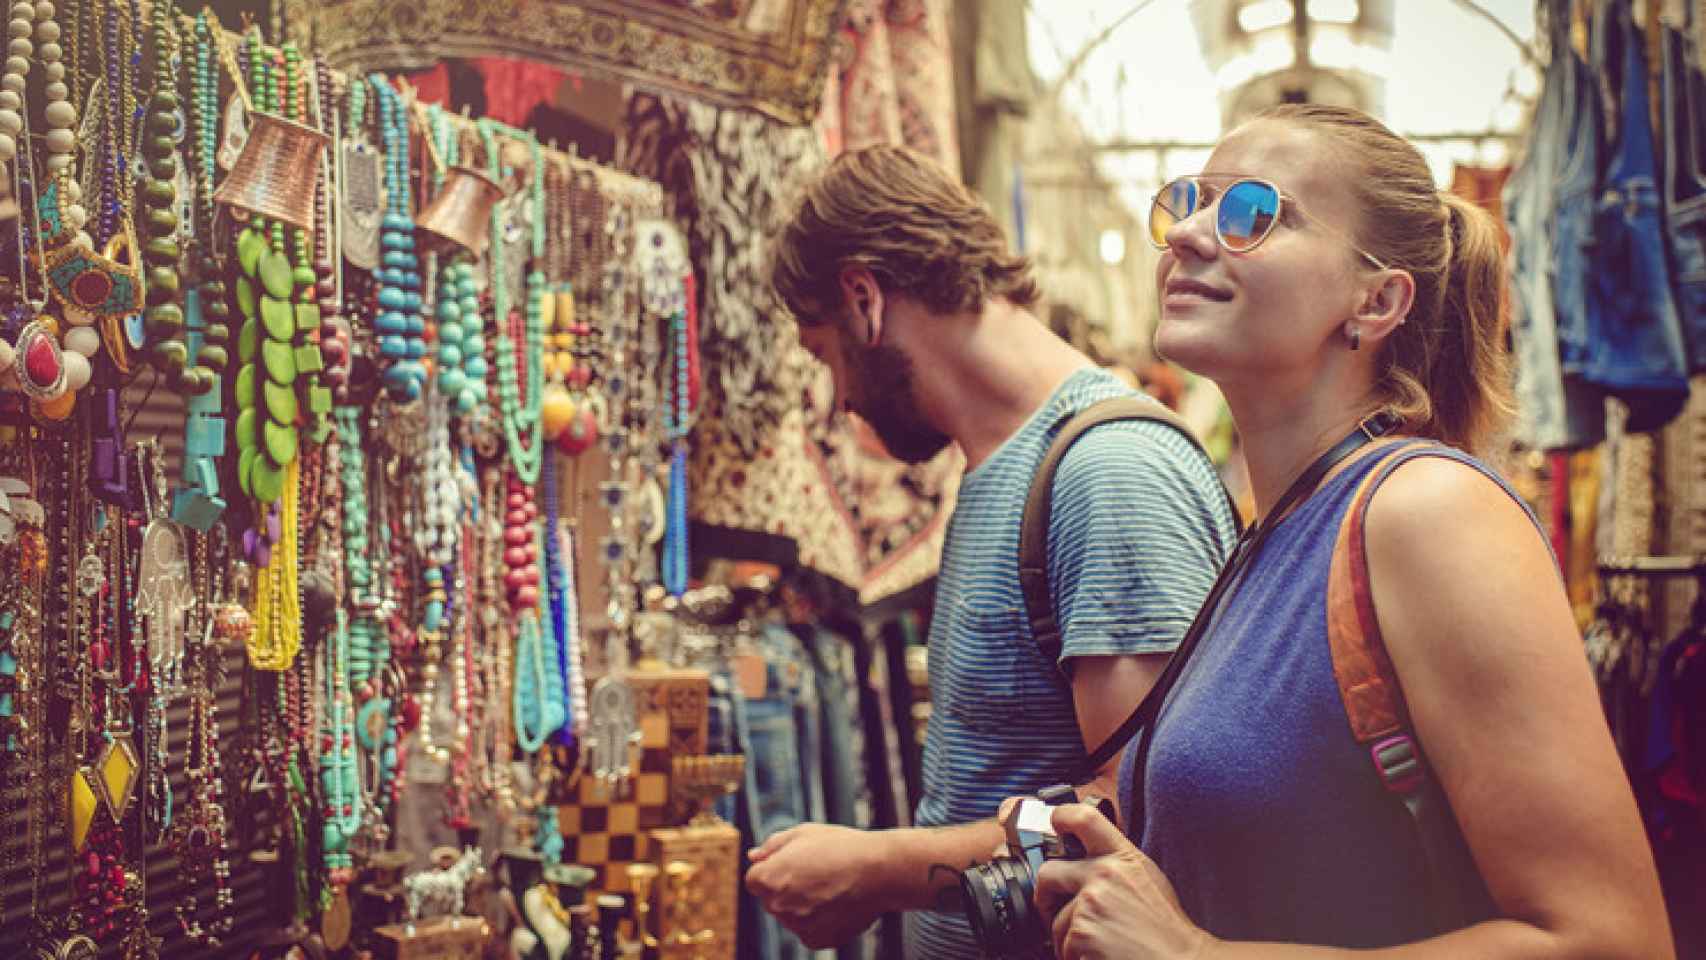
[(1479, 630), (1491, 663)]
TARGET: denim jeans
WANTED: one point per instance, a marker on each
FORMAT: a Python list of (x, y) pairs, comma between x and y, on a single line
[(783, 728), (1684, 116), (845, 798), (1634, 347), (758, 936)]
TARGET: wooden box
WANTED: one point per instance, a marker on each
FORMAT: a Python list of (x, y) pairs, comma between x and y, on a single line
[(440, 938), (708, 904)]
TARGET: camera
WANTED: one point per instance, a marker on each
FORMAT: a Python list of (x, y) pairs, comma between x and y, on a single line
[(1000, 896)]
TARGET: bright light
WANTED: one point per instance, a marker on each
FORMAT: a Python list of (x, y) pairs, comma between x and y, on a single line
[(1335, 50), (1334, 11), (1264, 15), (1271, 53), (1113, 247)]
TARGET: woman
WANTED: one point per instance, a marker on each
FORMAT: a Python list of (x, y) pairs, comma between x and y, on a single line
[(1316, 274)]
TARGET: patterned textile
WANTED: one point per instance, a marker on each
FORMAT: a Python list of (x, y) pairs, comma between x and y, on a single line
[(767, 454), (766, 55), (896, 82)]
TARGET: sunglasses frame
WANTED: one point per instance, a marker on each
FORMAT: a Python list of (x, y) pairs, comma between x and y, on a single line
[(1232, 183)]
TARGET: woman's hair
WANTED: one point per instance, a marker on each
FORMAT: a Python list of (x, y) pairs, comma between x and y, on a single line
[(901, 216), (1447, 370)]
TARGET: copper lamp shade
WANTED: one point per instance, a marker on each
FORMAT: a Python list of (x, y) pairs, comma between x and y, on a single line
[(276, 173), (461, 212)]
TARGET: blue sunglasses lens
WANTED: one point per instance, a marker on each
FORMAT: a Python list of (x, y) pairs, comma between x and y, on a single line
[(1246, 214)]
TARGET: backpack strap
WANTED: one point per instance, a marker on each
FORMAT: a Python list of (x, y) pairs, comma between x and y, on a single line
[(1380, 721), (1039, 506)]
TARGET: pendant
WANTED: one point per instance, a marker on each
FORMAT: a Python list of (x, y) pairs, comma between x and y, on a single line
[(613, 730), (83, 806), (198, 835), (91, 574), (362, 203), (164, 594), (116, 773), (335, 922), (236, 134)]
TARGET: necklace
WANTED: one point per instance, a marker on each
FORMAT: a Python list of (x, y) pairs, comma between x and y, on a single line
[(399, 323), (197, 503), (165, 317), (515, 361)]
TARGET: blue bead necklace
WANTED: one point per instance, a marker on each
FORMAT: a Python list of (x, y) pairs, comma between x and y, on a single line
[(399, 323), (564, 627)]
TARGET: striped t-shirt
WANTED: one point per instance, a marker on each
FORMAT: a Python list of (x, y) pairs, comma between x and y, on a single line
[(1139, 529)]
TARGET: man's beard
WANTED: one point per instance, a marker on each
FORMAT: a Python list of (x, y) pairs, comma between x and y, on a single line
[(888, 404)]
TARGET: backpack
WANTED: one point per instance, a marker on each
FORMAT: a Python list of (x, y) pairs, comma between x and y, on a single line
[(1033, 529)]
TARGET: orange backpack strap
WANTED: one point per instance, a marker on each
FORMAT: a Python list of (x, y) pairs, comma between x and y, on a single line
[(1379, 719), (1374, 703)]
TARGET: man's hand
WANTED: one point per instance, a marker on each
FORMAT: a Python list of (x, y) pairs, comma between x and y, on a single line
[(825, 883)]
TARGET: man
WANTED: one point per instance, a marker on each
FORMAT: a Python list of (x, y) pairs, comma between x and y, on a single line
[(902, 284)]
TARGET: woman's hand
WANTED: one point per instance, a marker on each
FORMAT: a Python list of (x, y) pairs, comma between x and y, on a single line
[(1115, 903)]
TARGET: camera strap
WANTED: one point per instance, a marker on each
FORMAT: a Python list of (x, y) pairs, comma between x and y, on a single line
[(1243, 554)]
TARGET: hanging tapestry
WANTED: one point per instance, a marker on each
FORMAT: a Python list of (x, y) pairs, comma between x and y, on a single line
[(765, 55)]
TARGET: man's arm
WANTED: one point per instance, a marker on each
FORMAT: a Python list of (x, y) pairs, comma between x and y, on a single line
[(1105, 690), (827, 883)]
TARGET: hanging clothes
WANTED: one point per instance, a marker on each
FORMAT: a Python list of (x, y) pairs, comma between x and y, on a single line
[(1546, 209), (1632, 343)]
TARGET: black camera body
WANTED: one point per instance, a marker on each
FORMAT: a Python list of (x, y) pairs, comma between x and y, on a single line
[(1000, 896)]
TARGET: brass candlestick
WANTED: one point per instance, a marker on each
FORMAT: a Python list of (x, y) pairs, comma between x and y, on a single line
[(697, 782), (641, 876), (686, 902)]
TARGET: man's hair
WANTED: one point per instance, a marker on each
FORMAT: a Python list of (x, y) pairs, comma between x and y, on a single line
[(898, 214)]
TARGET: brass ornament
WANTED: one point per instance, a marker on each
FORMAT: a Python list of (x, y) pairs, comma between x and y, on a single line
[(276, 174), (461, 213)]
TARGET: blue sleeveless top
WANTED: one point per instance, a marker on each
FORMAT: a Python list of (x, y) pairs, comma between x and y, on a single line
[(1259, 805)]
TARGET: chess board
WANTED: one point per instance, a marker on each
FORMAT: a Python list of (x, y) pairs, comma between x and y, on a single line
[(604, 826)]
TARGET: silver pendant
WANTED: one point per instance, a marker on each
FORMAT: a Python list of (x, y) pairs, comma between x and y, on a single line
[(164, 595), (614, 731), (236, 134), (363, 203)]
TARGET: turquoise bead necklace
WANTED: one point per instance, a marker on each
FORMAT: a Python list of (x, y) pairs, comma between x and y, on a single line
[(399, 322), (368, 653), (461, 342), (520, 411)]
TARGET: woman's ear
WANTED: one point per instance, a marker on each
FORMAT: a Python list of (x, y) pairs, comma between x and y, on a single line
[(1386, 305)]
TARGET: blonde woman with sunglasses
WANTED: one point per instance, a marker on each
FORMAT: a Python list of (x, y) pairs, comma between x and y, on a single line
[(1351, 314)]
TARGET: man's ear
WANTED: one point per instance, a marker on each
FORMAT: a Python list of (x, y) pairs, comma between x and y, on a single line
[(864, 300)]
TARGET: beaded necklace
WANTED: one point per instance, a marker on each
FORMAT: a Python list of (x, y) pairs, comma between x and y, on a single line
[(334, 330), (399, 323), (520, 410), (678, 423), (462, 344), (306, 280), (565, 626), (164, 321), (197, 503)]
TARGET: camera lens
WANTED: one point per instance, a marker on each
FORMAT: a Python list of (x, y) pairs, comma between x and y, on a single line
[(1000, 909)]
